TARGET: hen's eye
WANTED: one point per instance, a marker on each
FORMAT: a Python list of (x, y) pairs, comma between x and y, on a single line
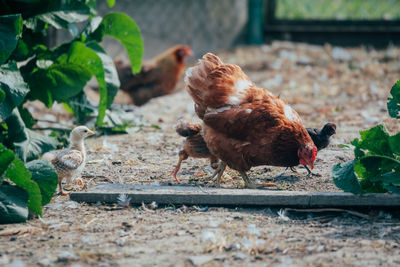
[(85, 131)]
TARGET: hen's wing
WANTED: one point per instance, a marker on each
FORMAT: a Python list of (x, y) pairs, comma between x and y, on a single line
[(250, 118), (68, 160)]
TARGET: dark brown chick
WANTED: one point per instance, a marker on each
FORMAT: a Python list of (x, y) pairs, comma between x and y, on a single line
[(158, 76), (194, 146), (321, 137)]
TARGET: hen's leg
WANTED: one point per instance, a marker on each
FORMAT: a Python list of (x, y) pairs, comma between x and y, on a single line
[(214, 162), (310, 173), (220, 170), (293, 169), (182, 156), (247, 182)]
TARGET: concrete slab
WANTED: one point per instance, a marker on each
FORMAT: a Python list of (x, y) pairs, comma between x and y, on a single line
[(192, 195)]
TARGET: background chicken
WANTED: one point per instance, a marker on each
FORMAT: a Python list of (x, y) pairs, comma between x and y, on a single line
[(194, 146), (321, 137), (246, 126), (70, 162), (157, 77)]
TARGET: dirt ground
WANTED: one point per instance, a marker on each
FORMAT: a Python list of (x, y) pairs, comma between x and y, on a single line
[(323, 84)]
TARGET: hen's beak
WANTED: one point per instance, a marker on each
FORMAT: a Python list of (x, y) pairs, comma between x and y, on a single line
[(90, 132)]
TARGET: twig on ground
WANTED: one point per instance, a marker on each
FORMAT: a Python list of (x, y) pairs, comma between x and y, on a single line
[(355, 213)]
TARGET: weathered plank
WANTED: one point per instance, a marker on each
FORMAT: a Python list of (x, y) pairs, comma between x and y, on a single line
[(191, 195)]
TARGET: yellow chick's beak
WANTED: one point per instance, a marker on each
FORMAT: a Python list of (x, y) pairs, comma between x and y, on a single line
[(90, 132)]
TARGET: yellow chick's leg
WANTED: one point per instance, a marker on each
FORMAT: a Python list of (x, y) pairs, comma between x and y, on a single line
[(61, 190)]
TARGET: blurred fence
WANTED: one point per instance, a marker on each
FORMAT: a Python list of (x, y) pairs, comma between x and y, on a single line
[(341, 22), (205, 25)]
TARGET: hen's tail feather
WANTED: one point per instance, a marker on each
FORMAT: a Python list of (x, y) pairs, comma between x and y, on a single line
[(188, 129), (214, 84)]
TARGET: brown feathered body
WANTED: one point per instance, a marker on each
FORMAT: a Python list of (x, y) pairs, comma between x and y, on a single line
[(158, 76), (244, 125), (194, 145)]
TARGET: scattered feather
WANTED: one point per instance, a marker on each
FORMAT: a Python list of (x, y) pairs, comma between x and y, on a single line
[(124, 200), (282, 215)]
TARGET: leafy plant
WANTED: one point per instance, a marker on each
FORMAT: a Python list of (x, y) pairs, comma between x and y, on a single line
[(376, 167), (33, 186), (32, 70)]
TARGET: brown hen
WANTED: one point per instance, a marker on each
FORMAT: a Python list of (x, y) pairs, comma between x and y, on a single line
[(244, 125), (157, 77)]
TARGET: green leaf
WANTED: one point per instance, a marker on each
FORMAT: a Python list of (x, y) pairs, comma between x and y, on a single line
[(58, 82), (26, 117), (110, 72), (13, 202), (394, 143), (44, 174), (393, 104), (111, 3), (60, 15), (344, 178), (2, 96), (12, 83), (388, 178), (81, 107), (10, 31), (102, 67), (28, 145), (121, 27), (19, 174), (6, 157), (375, 140)]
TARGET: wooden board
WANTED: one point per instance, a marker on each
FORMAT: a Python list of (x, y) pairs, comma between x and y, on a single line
[(191, 195)]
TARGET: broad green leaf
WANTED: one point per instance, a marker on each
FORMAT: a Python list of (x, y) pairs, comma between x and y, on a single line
[(110, 72), (10, 31), (12, 83), (26, 117), (44, 174), (28, 145), (60, 14), (376, 140), (2, 96), (58, 82), (111, 3), (344, 178), (6, 157), (393, 104), (394, 143), (13, 202), (19, 174), (121, 27), (80, 107), (388, 178), (84, 56)]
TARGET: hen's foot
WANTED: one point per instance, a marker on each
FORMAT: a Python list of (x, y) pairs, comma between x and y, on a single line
[(247, 182), (310, 173), (219, 172)]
